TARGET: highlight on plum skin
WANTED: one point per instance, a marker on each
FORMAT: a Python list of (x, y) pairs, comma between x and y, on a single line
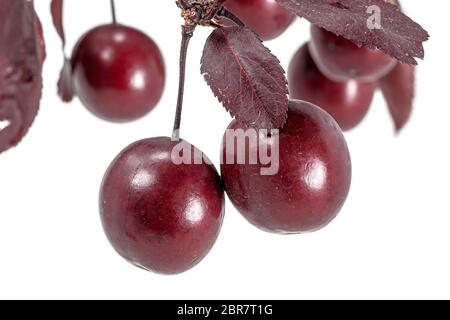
[(159, 215), (118, 72)]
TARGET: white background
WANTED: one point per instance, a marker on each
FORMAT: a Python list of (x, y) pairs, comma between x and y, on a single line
[(390, 241)]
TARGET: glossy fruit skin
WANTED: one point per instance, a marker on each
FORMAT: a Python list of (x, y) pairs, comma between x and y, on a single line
[(340, 59), (118, 72), (313, 180), (266, 17), (158, 215), (347, 102)]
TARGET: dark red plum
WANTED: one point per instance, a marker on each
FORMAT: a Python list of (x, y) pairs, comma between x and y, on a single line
[(312, 182), (266, 17), (159, 215), (340, 59), (118, 72), (348, 102)]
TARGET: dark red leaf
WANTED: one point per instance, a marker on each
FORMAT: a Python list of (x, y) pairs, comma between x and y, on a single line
[(65, 83), (399, 36), (42, 54), (65, 87), (398, 90), (21, 56), (246, 77), (57, 7)]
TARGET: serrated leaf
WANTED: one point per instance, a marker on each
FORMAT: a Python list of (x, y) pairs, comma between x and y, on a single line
[(22, 53), (398, 89), (246, 77), (398, 35)]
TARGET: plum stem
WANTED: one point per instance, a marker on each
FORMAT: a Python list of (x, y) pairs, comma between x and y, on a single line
[(113, 11), (187, 33), (230, 16)]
